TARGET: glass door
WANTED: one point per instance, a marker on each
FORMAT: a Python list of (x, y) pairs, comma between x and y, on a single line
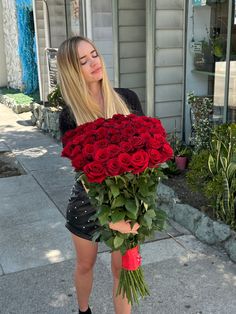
[(231, 112)]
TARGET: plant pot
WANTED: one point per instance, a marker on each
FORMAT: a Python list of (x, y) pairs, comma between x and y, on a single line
[(181, 162)]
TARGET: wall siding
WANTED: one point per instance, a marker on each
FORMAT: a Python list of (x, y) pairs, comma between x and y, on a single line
[(57, 22), (169, 62), (132, 46), (102, 32)]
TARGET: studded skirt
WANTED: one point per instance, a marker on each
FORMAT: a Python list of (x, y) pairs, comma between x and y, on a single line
[(78, 214)]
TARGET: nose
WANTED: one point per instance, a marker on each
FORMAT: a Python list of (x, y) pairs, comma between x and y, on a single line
[(92, 62)]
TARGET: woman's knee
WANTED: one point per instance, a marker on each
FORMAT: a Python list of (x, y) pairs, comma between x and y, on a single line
[(116, 264), (84, 267)]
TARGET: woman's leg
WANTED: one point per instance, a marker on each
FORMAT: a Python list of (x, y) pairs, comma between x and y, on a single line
[(121, 304), (86, 253)]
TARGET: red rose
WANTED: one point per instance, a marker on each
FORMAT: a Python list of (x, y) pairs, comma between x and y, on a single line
[(113, 150), (97, 123), (68, 136), (139, 160), (124, 161), (137, 142), (101, 133), (95, 172), (112, 167), (126, 147), (155, 158), (76, 151), (101, 144), (67, 150), (119, 117), (145, 136), (78, 162), (167, 152), (127, 132), (115, 139), (89, 139), (156, 142), (88, 152), (78, 139), (101, 155)]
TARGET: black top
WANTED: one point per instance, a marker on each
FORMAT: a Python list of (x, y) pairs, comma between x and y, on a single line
[(67, 120)]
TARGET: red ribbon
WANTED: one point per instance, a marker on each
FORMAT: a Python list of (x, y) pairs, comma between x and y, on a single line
[(132, 259)]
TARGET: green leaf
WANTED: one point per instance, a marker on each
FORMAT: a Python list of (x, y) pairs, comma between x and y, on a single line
[(143, 189), (103, 218), (115, 190), (117, 216), (131, 206), (118, 202), (151, 213), (109, 243), (96, 235), (118, 242), (148, 220)]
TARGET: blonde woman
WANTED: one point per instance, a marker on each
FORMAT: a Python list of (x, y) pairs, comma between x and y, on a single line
[(88, 94)]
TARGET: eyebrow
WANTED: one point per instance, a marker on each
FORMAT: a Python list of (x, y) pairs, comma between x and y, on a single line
[(85, 56)]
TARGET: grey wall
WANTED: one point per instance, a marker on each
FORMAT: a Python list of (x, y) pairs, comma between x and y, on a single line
[(102, 31), (57, 23), (3, 72), (169, 62), (132, 46)]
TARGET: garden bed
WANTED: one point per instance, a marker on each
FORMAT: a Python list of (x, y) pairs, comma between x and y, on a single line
[(179, 184)]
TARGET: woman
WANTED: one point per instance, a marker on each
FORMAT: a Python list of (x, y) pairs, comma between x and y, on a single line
[(87, 91)]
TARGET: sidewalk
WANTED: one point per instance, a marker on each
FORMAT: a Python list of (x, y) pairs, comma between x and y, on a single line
[(37, 257)]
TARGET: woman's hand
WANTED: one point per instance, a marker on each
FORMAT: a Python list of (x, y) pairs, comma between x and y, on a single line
[(124, 227)]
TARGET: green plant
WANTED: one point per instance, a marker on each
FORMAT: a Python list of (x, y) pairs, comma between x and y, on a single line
[(201, 108), (213, 173), (198, 174), (55, 98), (179, 147), (222, 167), (171, 168)]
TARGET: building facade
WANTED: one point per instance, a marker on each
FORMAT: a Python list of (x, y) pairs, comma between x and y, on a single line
[(161, 49)]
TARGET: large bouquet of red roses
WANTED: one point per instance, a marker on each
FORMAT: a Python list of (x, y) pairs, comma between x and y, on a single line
[(120, 159)]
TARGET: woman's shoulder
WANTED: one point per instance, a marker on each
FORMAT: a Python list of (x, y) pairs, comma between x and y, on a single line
[(131, 99), (66, 120), (125, 92)]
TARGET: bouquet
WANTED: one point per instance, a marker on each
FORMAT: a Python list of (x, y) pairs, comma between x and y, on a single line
[(119, 162)]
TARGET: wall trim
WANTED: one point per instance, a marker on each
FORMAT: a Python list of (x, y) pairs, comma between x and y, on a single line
[(150, 56), (115, 42)]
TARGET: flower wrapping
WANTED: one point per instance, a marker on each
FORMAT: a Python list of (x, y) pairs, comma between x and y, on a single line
[(119, 162)]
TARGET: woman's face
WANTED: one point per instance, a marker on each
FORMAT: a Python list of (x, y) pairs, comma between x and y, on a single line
[(91, 65)]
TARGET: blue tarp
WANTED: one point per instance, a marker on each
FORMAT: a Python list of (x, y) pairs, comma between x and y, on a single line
[(27, 45)]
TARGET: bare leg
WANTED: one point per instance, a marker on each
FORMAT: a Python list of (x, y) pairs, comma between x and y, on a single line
[(86, 253), (121, 304)]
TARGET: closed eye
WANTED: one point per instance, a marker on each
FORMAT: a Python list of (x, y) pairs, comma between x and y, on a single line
[(93, 54)]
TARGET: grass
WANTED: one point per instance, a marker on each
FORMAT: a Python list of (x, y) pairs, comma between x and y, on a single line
[(19, 97)]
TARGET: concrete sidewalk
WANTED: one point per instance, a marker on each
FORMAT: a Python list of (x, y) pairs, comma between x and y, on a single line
[(36, 253)]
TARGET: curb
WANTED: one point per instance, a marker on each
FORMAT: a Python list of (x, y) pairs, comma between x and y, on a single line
[(201, 226), (11, 103)]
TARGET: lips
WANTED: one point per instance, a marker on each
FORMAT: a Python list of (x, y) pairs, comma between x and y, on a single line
[(96, 70)]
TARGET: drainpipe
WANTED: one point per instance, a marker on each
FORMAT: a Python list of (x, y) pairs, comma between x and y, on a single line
[(47, 24), (150, 56)]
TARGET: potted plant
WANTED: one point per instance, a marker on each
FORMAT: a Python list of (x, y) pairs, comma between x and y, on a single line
[(182, 152), (181, 157)]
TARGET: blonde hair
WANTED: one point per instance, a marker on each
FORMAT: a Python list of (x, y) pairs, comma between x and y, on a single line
[(75, 90)]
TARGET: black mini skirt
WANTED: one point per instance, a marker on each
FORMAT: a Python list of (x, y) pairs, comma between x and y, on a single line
[(78, 214)]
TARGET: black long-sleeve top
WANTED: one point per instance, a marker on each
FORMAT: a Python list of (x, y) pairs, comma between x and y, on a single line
[(67, 120)]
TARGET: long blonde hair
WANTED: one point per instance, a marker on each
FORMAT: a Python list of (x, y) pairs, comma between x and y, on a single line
[(75, 90)]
